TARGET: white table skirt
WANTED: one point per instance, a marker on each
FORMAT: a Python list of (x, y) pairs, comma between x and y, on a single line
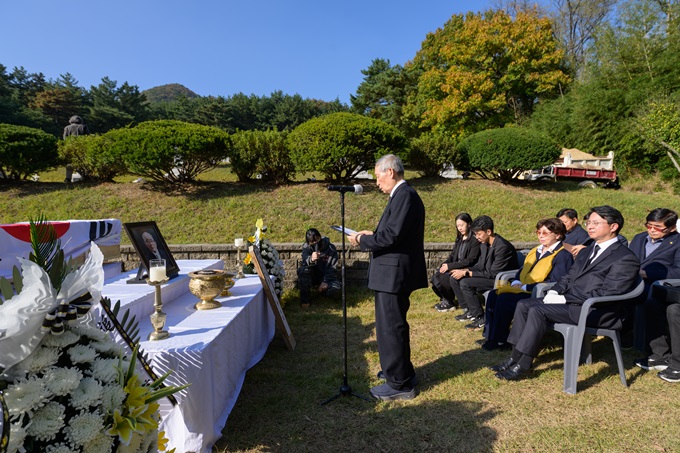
[(210, 349)]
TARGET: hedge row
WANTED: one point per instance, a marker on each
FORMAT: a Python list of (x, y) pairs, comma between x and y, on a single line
[(338, 146)]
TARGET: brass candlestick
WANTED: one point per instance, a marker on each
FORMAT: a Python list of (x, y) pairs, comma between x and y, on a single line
[(158, 317), (239, 264)]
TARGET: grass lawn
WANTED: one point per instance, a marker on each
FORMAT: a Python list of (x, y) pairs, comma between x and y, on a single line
[(461, 405)]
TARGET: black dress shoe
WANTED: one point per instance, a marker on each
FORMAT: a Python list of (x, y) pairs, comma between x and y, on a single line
[(513, 373), (503, 365)]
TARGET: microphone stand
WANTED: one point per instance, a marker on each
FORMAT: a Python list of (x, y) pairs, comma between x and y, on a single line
[(345, 389)]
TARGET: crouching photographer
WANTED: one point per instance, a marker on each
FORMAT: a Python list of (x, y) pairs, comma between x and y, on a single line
[(319, 267)]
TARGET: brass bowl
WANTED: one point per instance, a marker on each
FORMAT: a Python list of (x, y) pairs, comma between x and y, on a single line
[(229, 283), (207, 284)]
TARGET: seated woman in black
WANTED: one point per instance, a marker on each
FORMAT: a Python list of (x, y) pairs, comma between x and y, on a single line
[(465, 253), (545, 263)]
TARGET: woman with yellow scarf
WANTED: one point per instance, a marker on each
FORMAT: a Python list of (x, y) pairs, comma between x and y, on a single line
[(547, 262)]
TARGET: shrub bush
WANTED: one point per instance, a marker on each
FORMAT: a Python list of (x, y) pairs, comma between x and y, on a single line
[(505, 153), (264, 152), (25, 151), (340, 145), (170, 151), (93, 156), (432, 152)]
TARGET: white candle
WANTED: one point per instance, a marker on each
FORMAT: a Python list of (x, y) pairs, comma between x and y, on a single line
[(157, 274), (238, 242)]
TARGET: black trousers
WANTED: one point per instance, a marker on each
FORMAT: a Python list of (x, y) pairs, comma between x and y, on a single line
[(442, 286), (531, 322), (392, 332), (466, 290), (663, 330)]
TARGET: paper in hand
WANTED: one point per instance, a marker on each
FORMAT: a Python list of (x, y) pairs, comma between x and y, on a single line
[(346, 231)]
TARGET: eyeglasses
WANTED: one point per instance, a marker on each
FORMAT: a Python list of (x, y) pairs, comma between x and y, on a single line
[(593, 223), (649, 226), (544, 233)]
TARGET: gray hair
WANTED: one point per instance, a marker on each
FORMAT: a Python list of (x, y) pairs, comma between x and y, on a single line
[(390, 161)]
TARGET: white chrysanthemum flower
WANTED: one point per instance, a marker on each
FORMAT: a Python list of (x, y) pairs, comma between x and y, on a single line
[(112, 397), (17, 435), (47, 421), (150, 441), (25, 396), (134, 446), (62, 381), (108, 347), (41, 358), (105, 370), (59, 448), (103, 443), (91, 332), (88, 393), (82, 354), (83, 428), (61, 341)]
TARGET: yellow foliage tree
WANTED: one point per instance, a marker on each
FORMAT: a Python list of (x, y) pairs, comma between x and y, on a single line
[(485, 70)]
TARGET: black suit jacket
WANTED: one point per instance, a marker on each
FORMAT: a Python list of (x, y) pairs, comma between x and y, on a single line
[(664, 262), (615, 271), (397, 244), (501, 256)]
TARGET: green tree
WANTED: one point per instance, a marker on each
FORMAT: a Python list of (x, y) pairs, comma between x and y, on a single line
[(114, 107), (485, 70), (341, 145), (25, 151), (505, 153), (383, 93)]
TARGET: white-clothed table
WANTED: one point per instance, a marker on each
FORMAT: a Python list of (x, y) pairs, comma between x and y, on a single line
[(210, 349)]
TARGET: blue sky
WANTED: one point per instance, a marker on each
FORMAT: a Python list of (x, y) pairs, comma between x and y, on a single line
[(315, 48)]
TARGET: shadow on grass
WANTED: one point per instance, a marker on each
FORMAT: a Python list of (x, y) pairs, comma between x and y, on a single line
[(31, 188), (279, 408), (602, 351)]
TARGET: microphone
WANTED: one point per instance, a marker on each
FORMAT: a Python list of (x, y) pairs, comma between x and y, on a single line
[(356, 188)]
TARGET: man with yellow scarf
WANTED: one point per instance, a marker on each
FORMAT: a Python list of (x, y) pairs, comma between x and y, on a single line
[(545, 263)]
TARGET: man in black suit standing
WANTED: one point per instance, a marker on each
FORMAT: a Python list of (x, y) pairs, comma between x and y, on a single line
[(605, 268), (397, 268)]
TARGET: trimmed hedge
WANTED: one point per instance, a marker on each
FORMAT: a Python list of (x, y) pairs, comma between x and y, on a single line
[(432, 152), (505, 153), (25, 151), (341, 145), (93, 156), (263, 152), (170, 151)]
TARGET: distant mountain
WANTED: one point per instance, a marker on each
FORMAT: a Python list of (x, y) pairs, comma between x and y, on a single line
[(169, 92)]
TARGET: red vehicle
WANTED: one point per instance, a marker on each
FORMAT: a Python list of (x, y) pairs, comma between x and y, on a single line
[(589, 177)]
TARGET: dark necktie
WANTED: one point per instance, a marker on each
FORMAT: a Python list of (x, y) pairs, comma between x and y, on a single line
[(592, 257)]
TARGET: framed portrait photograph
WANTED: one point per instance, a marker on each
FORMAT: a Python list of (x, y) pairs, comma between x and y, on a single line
[(149, 244)]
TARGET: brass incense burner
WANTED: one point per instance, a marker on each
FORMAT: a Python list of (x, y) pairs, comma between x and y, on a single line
[(206, 285), (229, 283)]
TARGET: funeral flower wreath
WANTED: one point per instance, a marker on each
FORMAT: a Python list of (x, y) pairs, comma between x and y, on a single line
[(270, 256), (68, 386)]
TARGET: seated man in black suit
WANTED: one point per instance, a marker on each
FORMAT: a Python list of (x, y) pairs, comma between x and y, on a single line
[(659, 252), (497, 255), (606, 267)]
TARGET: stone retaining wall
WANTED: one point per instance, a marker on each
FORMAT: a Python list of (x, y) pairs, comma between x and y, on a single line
[(356, 265)]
